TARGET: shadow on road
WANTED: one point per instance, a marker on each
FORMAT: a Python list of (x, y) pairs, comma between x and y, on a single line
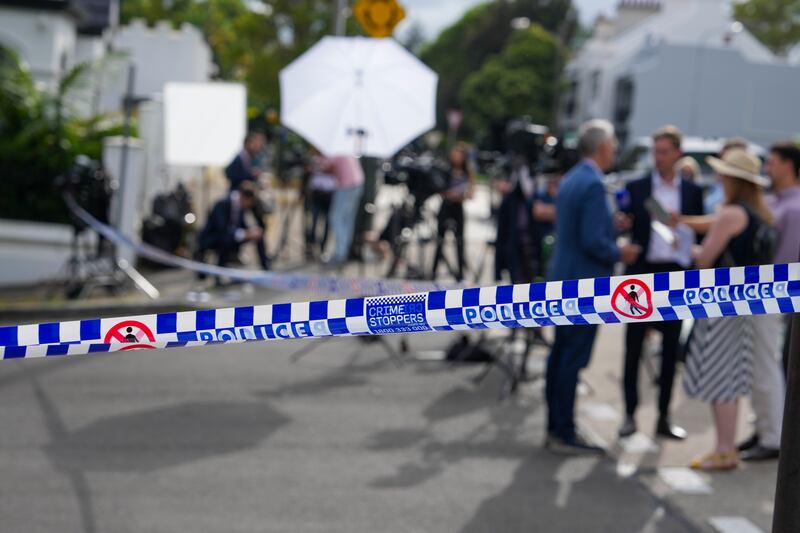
[(497, 434), (164, 437), (149, 440), (572, 495)]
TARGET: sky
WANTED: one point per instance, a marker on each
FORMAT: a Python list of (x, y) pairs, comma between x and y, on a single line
[(435, 15)]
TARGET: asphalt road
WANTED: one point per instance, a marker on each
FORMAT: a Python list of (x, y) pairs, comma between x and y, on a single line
[(264, 437), (247, 438)]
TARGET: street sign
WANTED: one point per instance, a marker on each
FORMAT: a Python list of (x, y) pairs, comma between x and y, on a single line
[(633, 299), (378, 17), (131, 331)]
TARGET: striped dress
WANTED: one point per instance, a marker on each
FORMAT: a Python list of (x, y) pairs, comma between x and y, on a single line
[(719, 359)]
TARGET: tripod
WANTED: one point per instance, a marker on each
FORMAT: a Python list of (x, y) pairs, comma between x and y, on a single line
[(289, 208), (409, 224), (85, 271)]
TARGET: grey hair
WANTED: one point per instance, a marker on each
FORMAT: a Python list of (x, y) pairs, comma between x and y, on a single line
[(592, 134)]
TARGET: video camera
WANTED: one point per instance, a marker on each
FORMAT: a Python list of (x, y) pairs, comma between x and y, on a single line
[(424, 175), (90, 185)]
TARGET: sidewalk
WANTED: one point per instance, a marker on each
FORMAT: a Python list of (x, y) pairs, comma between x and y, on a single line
[(739, 501)]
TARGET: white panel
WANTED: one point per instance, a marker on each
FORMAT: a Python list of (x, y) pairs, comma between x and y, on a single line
[(204, 123)]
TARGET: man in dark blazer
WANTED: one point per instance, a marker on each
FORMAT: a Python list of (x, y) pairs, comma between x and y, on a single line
[(226, 229), (585, 248), (677, 196), (243, 167)]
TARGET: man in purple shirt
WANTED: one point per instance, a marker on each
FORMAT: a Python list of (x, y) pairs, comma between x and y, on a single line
[(782, 167)]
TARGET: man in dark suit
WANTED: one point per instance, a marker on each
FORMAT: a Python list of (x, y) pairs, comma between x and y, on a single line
[(677, 196), (243, 167), (227, 229), (585, 248)]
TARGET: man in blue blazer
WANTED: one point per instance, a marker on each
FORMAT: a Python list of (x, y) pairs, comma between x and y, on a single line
[(585, 248)]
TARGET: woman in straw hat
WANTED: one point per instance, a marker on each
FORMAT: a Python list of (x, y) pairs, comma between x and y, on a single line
[(720, 351)]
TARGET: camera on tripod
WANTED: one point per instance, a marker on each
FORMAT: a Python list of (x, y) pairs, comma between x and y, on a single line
[(424, 175), (90, 186)]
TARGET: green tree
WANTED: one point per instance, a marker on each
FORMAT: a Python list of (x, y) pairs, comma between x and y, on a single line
[(519, 81), (251, 41), (414, 38), (40, 135), (776, 23), (482, 32)]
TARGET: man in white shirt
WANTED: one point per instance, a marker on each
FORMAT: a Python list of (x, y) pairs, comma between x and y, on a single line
[(660, 255)]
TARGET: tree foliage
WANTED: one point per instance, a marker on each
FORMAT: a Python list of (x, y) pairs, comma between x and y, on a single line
[(776, 23), (482, 32), (40, 135), (251, 41), (519, 81)]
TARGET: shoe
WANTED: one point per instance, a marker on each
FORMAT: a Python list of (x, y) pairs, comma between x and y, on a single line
[(759, 453), (666, 430), (575, 446), (715, 462), (752, 442), (628, 427)]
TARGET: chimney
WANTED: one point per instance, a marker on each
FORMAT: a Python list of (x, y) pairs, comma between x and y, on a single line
[(630, 13), (604, 28)]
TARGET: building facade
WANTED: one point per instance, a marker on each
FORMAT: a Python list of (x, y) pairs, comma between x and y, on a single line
[(682, 62)]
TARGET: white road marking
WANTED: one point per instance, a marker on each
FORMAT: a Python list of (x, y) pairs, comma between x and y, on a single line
[(684, 480), (733, 524), (430, 355), (638, 443), (602, 412), (572, 471), (652, 523), (625, 470)]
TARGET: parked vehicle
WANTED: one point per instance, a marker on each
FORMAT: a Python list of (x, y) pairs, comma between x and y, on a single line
[(637, 159)]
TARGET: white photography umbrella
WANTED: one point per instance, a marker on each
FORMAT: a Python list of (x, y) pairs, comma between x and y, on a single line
[(359, 96)]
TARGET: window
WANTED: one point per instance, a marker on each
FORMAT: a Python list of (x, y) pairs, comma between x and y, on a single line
[(571, 98), (595, 84), (623, 104)]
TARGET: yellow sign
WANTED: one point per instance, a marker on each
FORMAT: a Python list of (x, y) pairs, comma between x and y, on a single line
[(378, 17)]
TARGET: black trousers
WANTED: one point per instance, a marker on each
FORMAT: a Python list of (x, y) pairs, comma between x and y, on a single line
[(451, 218), (571, 353), (226, 253), (634, 342)]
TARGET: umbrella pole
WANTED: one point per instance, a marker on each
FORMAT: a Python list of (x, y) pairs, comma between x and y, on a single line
[(339, 16)]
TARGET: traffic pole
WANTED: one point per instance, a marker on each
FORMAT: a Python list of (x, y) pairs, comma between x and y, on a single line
[(786, 516)]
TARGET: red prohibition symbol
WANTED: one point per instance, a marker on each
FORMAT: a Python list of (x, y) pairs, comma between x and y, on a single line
[(632, 299), (133, 332)]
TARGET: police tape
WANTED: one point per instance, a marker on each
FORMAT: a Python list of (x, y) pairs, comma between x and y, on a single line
[(317, 283), (720, 292)]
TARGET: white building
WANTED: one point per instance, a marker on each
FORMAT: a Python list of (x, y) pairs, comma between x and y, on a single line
[(682, 62), (159, 55), (51, 36)]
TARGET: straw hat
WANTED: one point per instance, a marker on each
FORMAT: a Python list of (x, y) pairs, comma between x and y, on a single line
[(738, 163)]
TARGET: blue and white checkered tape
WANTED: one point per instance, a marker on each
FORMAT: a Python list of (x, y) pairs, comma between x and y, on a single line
[(317, 283), (739, 291)]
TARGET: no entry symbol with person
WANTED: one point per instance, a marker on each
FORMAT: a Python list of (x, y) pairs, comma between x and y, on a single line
[(130, 331), (632, 299)]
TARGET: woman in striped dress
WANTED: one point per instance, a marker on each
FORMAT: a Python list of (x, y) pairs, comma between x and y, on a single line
[(720, 351)]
